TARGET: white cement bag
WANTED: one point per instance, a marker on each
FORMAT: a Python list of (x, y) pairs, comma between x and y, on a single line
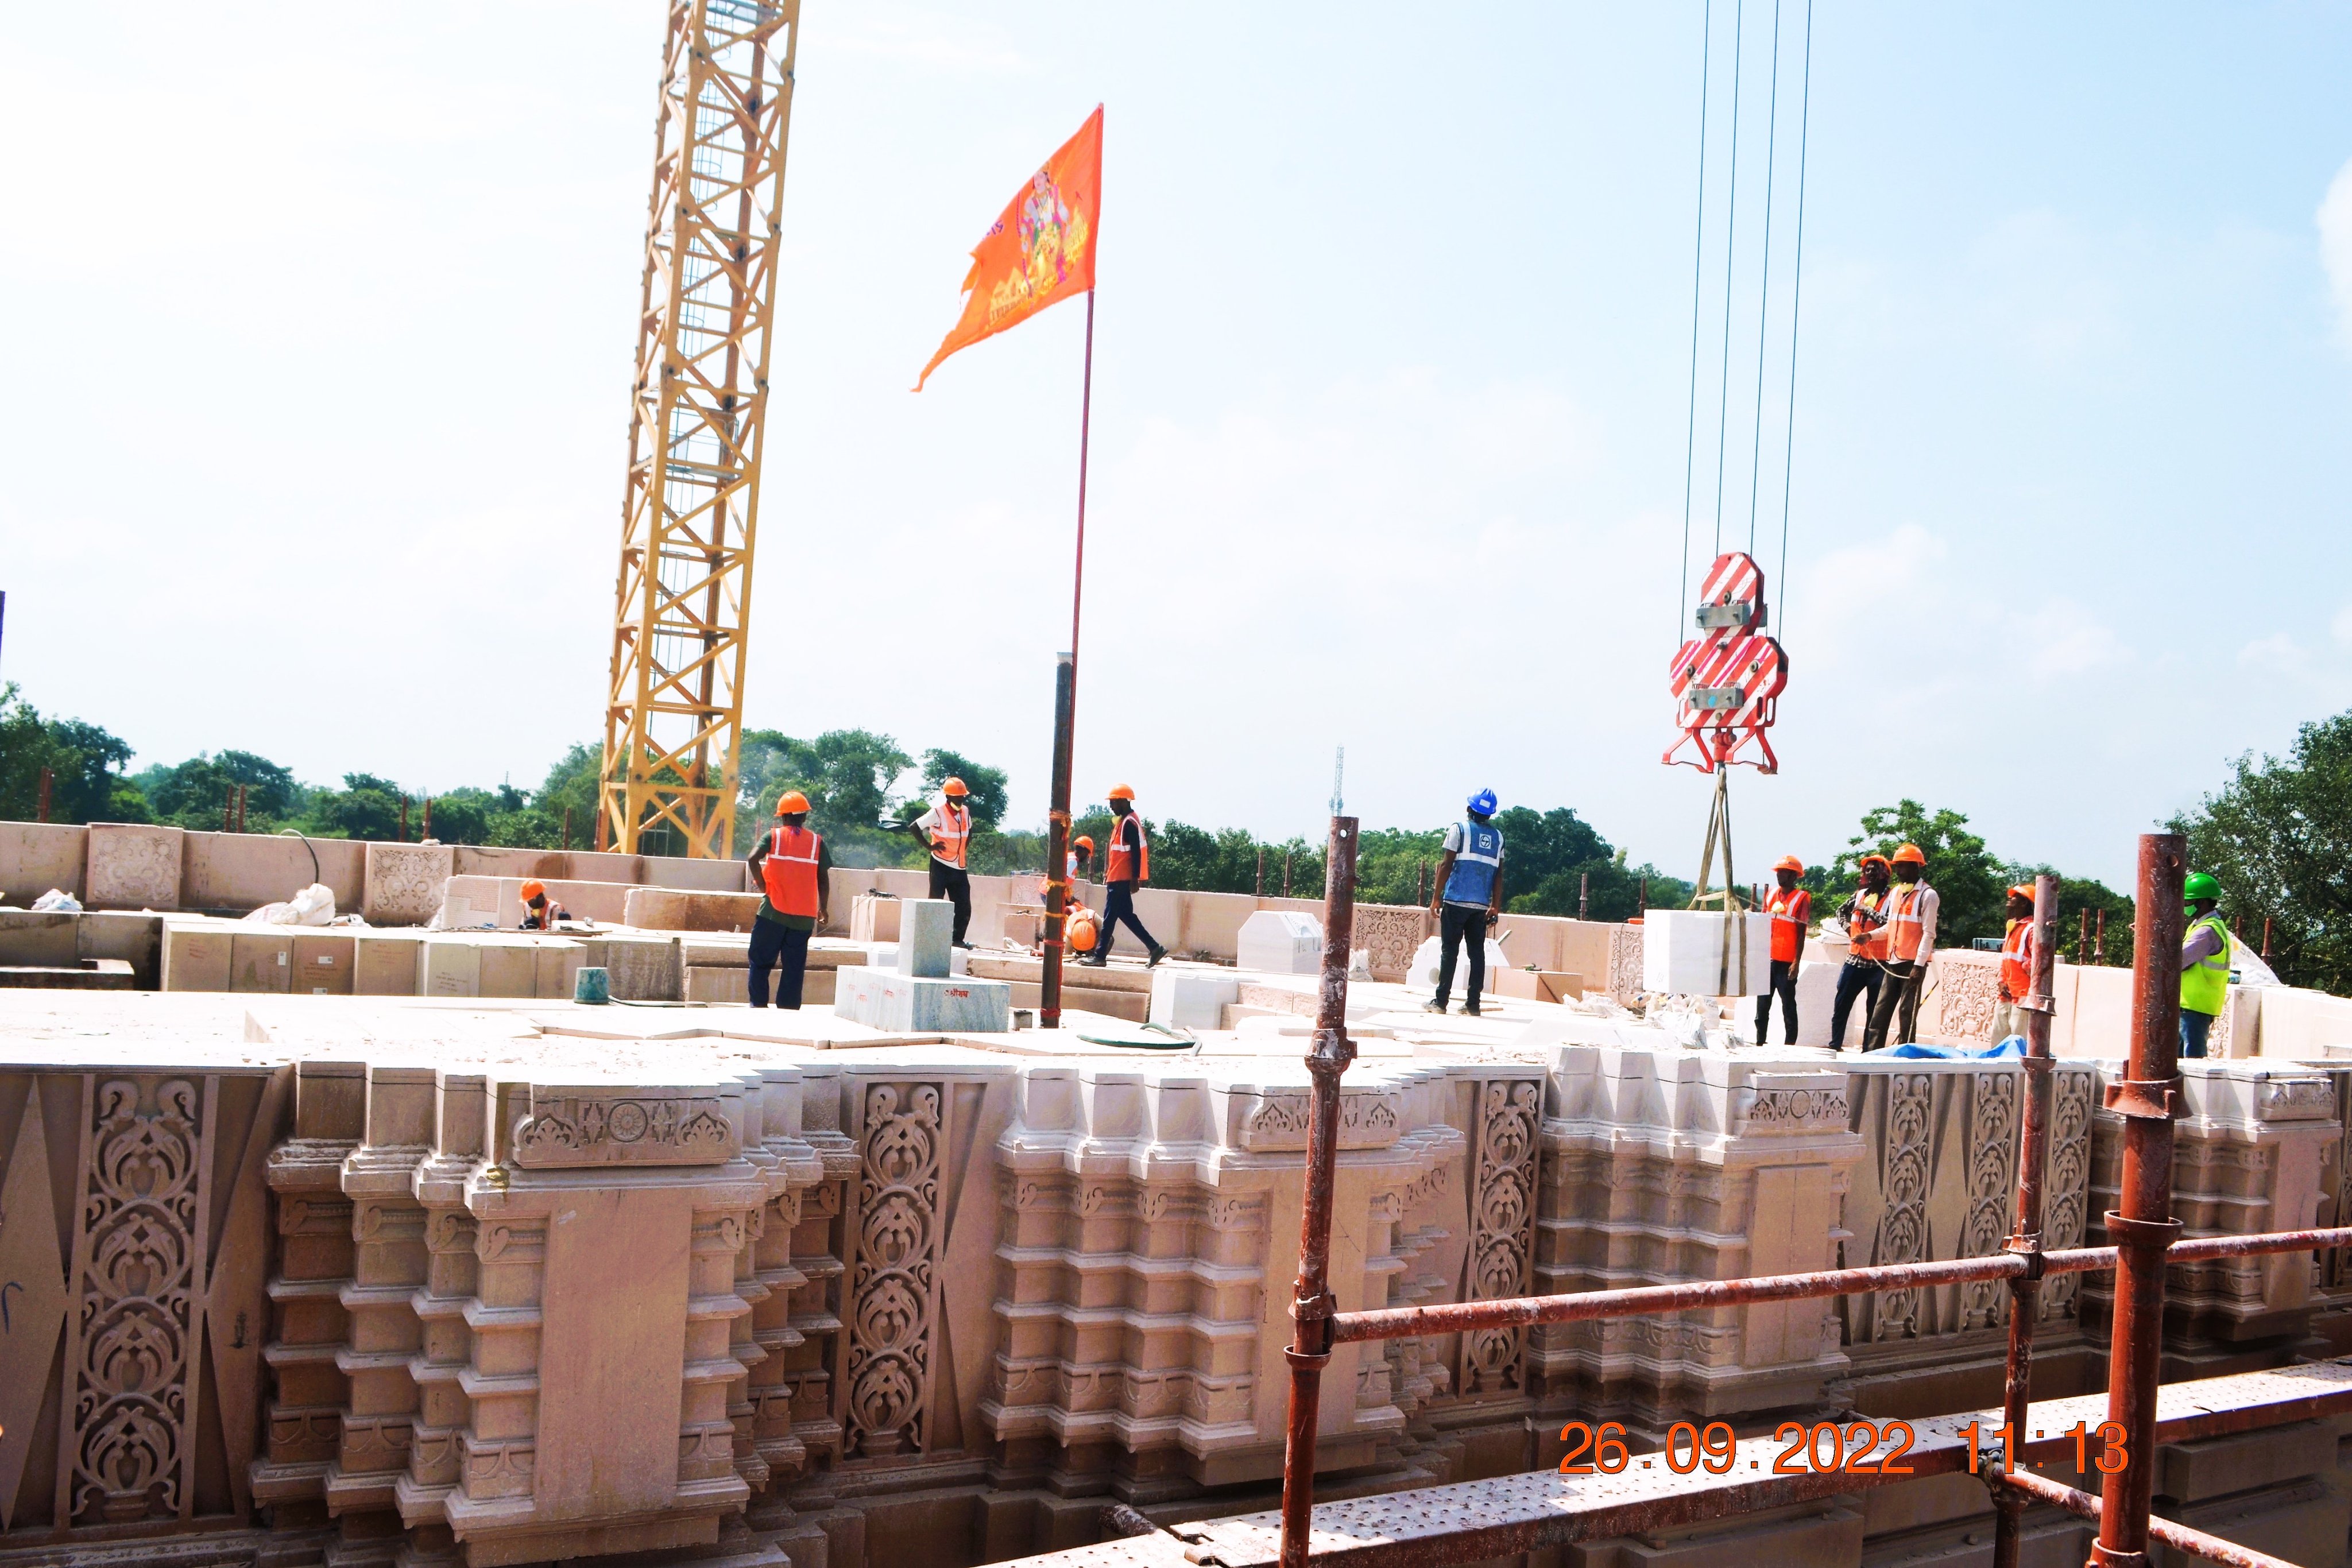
[(56, 903), (1423, 972), (314, 905)]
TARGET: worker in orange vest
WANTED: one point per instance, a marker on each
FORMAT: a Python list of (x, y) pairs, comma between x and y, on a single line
[(1863, 915), (539, 912), (1910, 945), (1792, 909), (795, 871), (1126, 866), (1082, 860), (946, 828), (2016, 964)]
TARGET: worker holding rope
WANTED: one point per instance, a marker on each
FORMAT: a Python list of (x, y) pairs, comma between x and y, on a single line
[(1910, 943), (1863, 915)]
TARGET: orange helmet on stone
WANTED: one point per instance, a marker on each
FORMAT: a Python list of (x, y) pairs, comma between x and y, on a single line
[(1122, 792), (1910, 854), (953, 788), (1790, 863), (791, 803)]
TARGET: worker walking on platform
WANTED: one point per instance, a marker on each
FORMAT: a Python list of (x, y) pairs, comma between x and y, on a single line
[(1469, 899), (1125, 867), (539, 912), (2204, 962), (945, 829), (1792, 909), (2016, 964), (1910, 943), (1864, 918), (795, 871)]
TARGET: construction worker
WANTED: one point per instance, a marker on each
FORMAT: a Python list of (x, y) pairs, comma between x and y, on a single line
[(1126, 867), (1082, 860), (1863, 915), (1792, 909), (2016, 964), (794, 869), (1910, 945), (539, 912), (946, 828), (2204, 962), (1469, 899)]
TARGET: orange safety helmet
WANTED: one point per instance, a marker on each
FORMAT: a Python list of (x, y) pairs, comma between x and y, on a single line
[(1082, 843), (2023, 890), (789, 802), (1910, 854), (1868, 859), (953, 788), (531, 890), (1790, 863), (1082, 929), (1122, 792)]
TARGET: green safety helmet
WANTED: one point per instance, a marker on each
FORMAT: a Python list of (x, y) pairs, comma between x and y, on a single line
[(2199, 886)]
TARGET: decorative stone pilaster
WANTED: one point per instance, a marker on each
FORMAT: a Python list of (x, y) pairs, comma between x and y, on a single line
[(390, 1265)]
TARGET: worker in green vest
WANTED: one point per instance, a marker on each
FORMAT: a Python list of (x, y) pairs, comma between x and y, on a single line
[(2204, 962)]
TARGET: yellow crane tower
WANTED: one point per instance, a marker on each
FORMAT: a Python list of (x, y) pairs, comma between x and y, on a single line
[(673, 720)]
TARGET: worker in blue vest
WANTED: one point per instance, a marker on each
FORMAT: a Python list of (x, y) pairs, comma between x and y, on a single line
[(1469, 899)]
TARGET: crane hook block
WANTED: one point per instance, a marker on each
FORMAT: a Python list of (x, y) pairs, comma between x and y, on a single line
[(1727, 681)]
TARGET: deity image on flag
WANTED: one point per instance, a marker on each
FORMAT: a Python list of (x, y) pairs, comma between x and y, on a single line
[(1052, 241), (1039, 251)]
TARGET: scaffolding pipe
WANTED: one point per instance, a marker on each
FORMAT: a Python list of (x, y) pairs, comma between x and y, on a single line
[(2025, 1241), (2178, 1536), (2143, 1227), (1312, 1309)]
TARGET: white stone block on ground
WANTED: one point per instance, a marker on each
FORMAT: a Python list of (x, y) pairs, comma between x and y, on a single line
[(506, 966), (1816, 998), (195, 958), (1681, 954), (323, 962), (262, 960), (558, 968), (448, 966), (925, 933), (642, 967), (384, 964), (1192, 999), (885, 1000), (873, 918), (1280, 942), (1424, 973)]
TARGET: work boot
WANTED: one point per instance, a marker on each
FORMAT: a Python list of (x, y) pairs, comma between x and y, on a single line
[(1096, 961), (1158, 953), (1433, 1005), (1470, 1010)]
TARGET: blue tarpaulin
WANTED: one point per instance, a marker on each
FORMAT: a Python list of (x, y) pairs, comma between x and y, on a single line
[(2014, 1046)]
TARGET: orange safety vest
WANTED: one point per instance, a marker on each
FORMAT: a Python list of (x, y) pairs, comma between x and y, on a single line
[(1792, 912), (1870, 941), (1904, 924), (2017, 959), (953, 832), (1129, 864), (790, 870)]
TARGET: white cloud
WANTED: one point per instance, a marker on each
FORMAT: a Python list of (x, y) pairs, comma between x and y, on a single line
[(2336, 246), (2341, 627), (2278, 652)]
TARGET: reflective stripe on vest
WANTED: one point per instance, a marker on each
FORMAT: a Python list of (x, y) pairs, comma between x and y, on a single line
[(1904, 924), (1870, 942), (789, 873), (2205, 985), (951, 834), (1476, 865), (1129, 864), (1792, 912), (2017, 959)]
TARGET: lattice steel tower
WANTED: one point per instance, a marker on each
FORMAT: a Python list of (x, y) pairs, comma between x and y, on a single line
[(672, 727)]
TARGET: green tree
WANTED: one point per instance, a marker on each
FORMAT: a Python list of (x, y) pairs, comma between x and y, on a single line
[(2076, 893), (85, 763), (367, 806), (847, 775), (987, 784), (570, 785), (2278, 838), (1972, 886)]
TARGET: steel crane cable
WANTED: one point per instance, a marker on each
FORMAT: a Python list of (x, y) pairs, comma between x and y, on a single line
[(1698, 259), (1796, 298), (1730, 246), (1764, 284)]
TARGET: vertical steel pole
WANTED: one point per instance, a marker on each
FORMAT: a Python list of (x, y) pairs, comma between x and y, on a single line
[(426, 832), (404, 818), (1057, 841), (2099, 952), (1583, 894), (1311, 1310), (1286, 874), (2144, 1226), (1261, 873), (567, 827), (49, 777), (2033, 1154), (2082, 939)]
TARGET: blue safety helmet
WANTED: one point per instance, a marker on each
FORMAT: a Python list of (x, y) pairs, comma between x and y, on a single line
[(1484, 803)]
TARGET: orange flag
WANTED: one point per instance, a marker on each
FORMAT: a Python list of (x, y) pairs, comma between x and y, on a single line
[(1041, 252)]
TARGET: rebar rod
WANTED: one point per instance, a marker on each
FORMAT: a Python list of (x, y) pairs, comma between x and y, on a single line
[(2025, 1241), (2178, 1536)]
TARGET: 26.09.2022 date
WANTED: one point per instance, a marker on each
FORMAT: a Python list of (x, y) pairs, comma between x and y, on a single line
[(1856, 1448)]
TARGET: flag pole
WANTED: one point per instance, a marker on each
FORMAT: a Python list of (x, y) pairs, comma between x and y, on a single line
[(1066, 708)]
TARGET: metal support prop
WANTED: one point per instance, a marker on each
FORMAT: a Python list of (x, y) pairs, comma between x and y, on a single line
[(2032, 1155), (2024, 1484), (1057, 843), (2143, 1227), (1312, 1309)]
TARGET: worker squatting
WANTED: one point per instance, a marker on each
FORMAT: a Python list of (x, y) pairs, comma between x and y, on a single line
[(1888, 921), (793, 869)]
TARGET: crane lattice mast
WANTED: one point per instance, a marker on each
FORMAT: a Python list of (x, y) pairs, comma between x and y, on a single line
[(673, 726)]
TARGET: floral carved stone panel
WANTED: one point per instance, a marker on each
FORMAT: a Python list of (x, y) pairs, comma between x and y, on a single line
[(566, 1130), (405, 882), (1389, 936), (894, 1295), (132, 867), (1502, 1228)]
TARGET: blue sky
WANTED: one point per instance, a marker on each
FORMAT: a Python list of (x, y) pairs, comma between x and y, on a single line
[(325, 331)]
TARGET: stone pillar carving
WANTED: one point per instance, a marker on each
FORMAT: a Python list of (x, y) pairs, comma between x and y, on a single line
[(445, 1343), (389, 1266), (1508, 1115), (895, 1283)]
